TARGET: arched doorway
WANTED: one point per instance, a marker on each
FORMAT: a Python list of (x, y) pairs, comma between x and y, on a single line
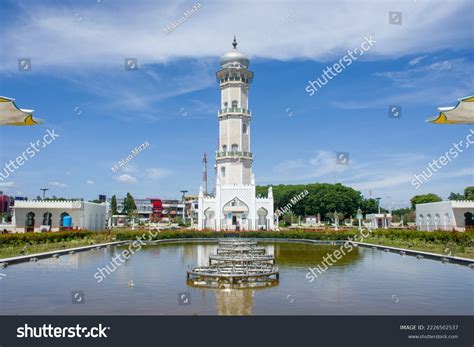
[(47, 221), (262, 222), (61, 218), (421, 220), (235, 215), (30, 222), (209, 218), (437, 219), (468, 220), (447, 221)]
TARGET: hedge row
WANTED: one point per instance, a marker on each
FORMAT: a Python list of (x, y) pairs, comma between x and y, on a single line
[(465, 238), (35, 238), (460, 238)]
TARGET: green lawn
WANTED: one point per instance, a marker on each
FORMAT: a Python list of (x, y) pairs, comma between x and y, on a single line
[(449, 248), (14, 249)]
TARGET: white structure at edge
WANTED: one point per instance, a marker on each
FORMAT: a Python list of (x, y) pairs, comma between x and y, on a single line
[(234, 205), (48, 215), (445, 215)]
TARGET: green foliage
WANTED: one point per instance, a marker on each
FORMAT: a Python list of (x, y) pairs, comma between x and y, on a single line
[(129, 206), (36, 238), (369, 206), (455, 196), (113, 205), (407, 214), (421, 199), (322, 198), (53, 240), (442, 237), (54, 198), (469, 193)]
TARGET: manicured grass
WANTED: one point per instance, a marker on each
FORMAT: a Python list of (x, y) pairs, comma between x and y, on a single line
[(11, 245), (447, 249), (441, 242)]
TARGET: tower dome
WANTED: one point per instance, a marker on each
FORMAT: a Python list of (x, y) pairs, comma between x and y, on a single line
[(234, 58)]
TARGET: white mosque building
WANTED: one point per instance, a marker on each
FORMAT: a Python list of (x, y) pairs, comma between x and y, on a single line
[(234, 205)]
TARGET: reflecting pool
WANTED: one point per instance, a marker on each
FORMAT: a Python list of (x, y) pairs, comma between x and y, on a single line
[(153, 282)]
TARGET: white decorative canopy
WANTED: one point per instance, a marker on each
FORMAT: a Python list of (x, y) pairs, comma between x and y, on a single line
[(10, 114), (462, 113)]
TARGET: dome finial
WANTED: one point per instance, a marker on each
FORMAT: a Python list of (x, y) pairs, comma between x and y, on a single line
[(234, 43)]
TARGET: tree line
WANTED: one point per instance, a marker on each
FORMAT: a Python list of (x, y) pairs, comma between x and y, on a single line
[(326, 198), (322, 198)]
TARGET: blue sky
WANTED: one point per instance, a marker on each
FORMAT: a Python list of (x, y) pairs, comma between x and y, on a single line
[(78, 85)]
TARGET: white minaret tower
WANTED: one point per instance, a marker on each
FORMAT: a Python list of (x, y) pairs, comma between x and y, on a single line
[(234, 205), (233, 157)]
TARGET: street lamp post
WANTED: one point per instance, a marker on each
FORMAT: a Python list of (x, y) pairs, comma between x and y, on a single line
[(44, 191), (184, 205), (359, 217), (378, 204)]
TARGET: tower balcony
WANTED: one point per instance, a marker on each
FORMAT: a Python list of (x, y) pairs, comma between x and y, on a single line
[(235, 79), (234, 111), (234, 154)]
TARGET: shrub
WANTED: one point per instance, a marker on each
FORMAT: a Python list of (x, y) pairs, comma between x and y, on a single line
[(36, 238)]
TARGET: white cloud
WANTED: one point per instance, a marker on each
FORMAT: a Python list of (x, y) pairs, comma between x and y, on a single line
[(7, 184), (57, 184), (90, 182), (388, 176), (156, 173), (321, 164), (416, 60), (431, 73), (129, 168), (126, 178), (421, 82), (106, 33)]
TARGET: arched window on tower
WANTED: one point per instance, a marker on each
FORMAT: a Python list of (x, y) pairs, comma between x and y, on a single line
[(223, 171), (226, 104), (235, 147), (244, 128), (224, 148), (234, 103)]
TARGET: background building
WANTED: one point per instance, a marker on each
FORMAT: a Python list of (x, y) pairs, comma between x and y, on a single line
[(4, 204), (445, 215), (152, 209), (379, 220), (54, 215)]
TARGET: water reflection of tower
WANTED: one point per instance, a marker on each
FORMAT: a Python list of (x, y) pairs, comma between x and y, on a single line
[(270, 249), (203, 252), (234, 302), (198, 254)]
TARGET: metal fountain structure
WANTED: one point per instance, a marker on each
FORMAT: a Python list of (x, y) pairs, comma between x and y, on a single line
[(237, 263)]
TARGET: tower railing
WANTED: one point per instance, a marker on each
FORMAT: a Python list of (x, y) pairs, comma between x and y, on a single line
[(234, 154), (234, 110), (235, 79)]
